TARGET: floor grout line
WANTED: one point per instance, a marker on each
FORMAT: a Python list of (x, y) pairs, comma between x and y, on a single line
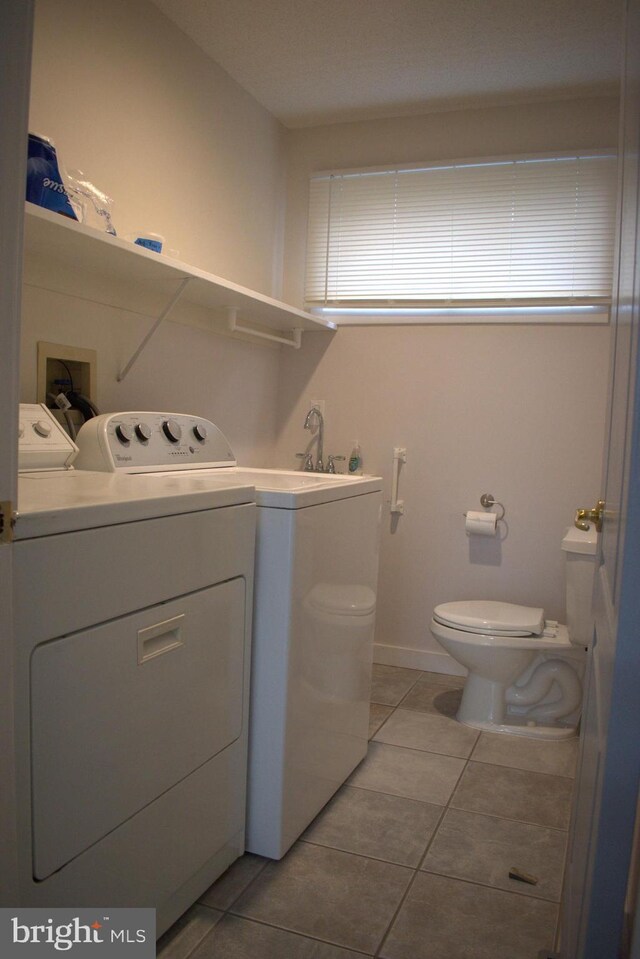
[(396, 913), (521, 769), (361, 855), (488, 815), (418, 870), (381, 792), (488, 885), (294, 932), (241, 893), (466, 759)]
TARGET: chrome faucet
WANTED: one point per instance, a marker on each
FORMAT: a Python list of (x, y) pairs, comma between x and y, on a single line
[(315, 412), (331, 465)]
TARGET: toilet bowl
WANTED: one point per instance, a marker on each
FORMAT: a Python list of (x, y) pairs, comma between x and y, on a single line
[(524, 672)]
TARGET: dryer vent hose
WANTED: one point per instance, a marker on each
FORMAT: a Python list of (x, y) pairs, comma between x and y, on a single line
[(539, 685)]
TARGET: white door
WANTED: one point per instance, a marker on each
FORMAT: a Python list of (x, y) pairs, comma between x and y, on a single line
[(594, 921), (15, 56)]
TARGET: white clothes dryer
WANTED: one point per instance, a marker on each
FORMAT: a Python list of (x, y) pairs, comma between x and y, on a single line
[(316, 573), (133, 601)]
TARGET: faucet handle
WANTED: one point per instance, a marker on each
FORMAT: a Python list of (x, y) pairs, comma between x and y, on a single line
[(308, 462), (331, 466)]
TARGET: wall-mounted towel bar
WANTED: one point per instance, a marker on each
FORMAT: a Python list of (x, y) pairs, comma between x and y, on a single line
[(235, 327)]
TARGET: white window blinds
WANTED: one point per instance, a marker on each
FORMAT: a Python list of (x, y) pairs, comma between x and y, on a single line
[(516, 232)]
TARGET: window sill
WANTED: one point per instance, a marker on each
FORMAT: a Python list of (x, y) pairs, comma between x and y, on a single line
[(380, 316)]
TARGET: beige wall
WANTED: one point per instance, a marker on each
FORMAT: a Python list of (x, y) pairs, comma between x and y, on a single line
[(182, 149), (185, 152), (517, 411)]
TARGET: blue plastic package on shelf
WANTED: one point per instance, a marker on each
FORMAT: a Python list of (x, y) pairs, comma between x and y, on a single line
[(44, 183), (150, 241)]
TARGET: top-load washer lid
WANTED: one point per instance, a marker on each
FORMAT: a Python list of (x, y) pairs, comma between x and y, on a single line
[(492, 618)]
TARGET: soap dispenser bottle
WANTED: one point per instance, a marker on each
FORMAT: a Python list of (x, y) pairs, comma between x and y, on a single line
[(355, 460)]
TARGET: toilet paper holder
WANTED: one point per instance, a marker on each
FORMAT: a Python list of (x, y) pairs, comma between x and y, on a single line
[(488, 500)]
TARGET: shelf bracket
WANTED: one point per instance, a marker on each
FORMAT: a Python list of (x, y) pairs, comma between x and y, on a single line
[(165, 313), (295, 341)]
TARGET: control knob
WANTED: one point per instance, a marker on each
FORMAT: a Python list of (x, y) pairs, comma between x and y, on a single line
[(200, 432), (123, 433), (172, 430), (143, 432), (42, 428)]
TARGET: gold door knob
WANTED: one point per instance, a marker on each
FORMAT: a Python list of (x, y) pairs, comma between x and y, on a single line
[(586, 516)]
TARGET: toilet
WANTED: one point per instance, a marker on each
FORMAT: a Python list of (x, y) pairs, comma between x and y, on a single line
[(524, 671)]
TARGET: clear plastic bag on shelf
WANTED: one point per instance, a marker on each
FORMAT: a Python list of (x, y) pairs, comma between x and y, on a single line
[(91, 205)]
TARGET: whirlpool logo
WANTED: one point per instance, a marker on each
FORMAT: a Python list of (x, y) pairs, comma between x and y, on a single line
[(84, 932)]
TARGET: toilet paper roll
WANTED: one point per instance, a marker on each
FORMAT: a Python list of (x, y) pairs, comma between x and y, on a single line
[(480, 524)]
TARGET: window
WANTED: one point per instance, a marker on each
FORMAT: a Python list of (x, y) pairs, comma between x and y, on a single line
[(521, 237)]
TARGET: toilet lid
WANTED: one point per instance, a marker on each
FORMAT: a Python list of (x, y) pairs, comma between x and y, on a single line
[(349, 600), (486, 616)]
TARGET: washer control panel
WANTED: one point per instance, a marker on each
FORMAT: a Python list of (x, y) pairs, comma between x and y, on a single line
[(42, 443), (147, 442)]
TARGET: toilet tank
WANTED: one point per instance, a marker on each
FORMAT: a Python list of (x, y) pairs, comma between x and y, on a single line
[(579, 547)]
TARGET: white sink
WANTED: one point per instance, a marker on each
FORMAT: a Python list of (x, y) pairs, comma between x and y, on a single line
[(304, 489), (291, 479)]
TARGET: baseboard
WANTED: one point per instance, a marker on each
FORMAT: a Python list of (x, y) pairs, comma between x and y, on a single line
[(427, 659)]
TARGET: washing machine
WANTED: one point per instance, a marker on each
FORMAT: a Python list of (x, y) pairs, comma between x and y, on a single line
[(133, 603), (317, 548)]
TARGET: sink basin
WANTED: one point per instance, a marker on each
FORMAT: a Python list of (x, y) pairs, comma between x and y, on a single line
[(304, 489), (291, 479)]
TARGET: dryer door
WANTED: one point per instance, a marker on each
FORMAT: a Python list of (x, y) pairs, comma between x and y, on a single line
[(123, 711)]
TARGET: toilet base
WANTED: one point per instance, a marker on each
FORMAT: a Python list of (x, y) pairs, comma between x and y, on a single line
[(524, 729)]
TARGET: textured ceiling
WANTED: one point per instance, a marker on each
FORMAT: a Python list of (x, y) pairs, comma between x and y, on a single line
[(324, 61)]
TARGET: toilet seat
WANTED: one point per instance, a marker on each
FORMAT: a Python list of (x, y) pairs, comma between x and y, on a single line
[(490, 618), (455, 635), (347, 600)]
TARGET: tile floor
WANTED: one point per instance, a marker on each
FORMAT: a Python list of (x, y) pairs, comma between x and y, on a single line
[(410, 859)]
